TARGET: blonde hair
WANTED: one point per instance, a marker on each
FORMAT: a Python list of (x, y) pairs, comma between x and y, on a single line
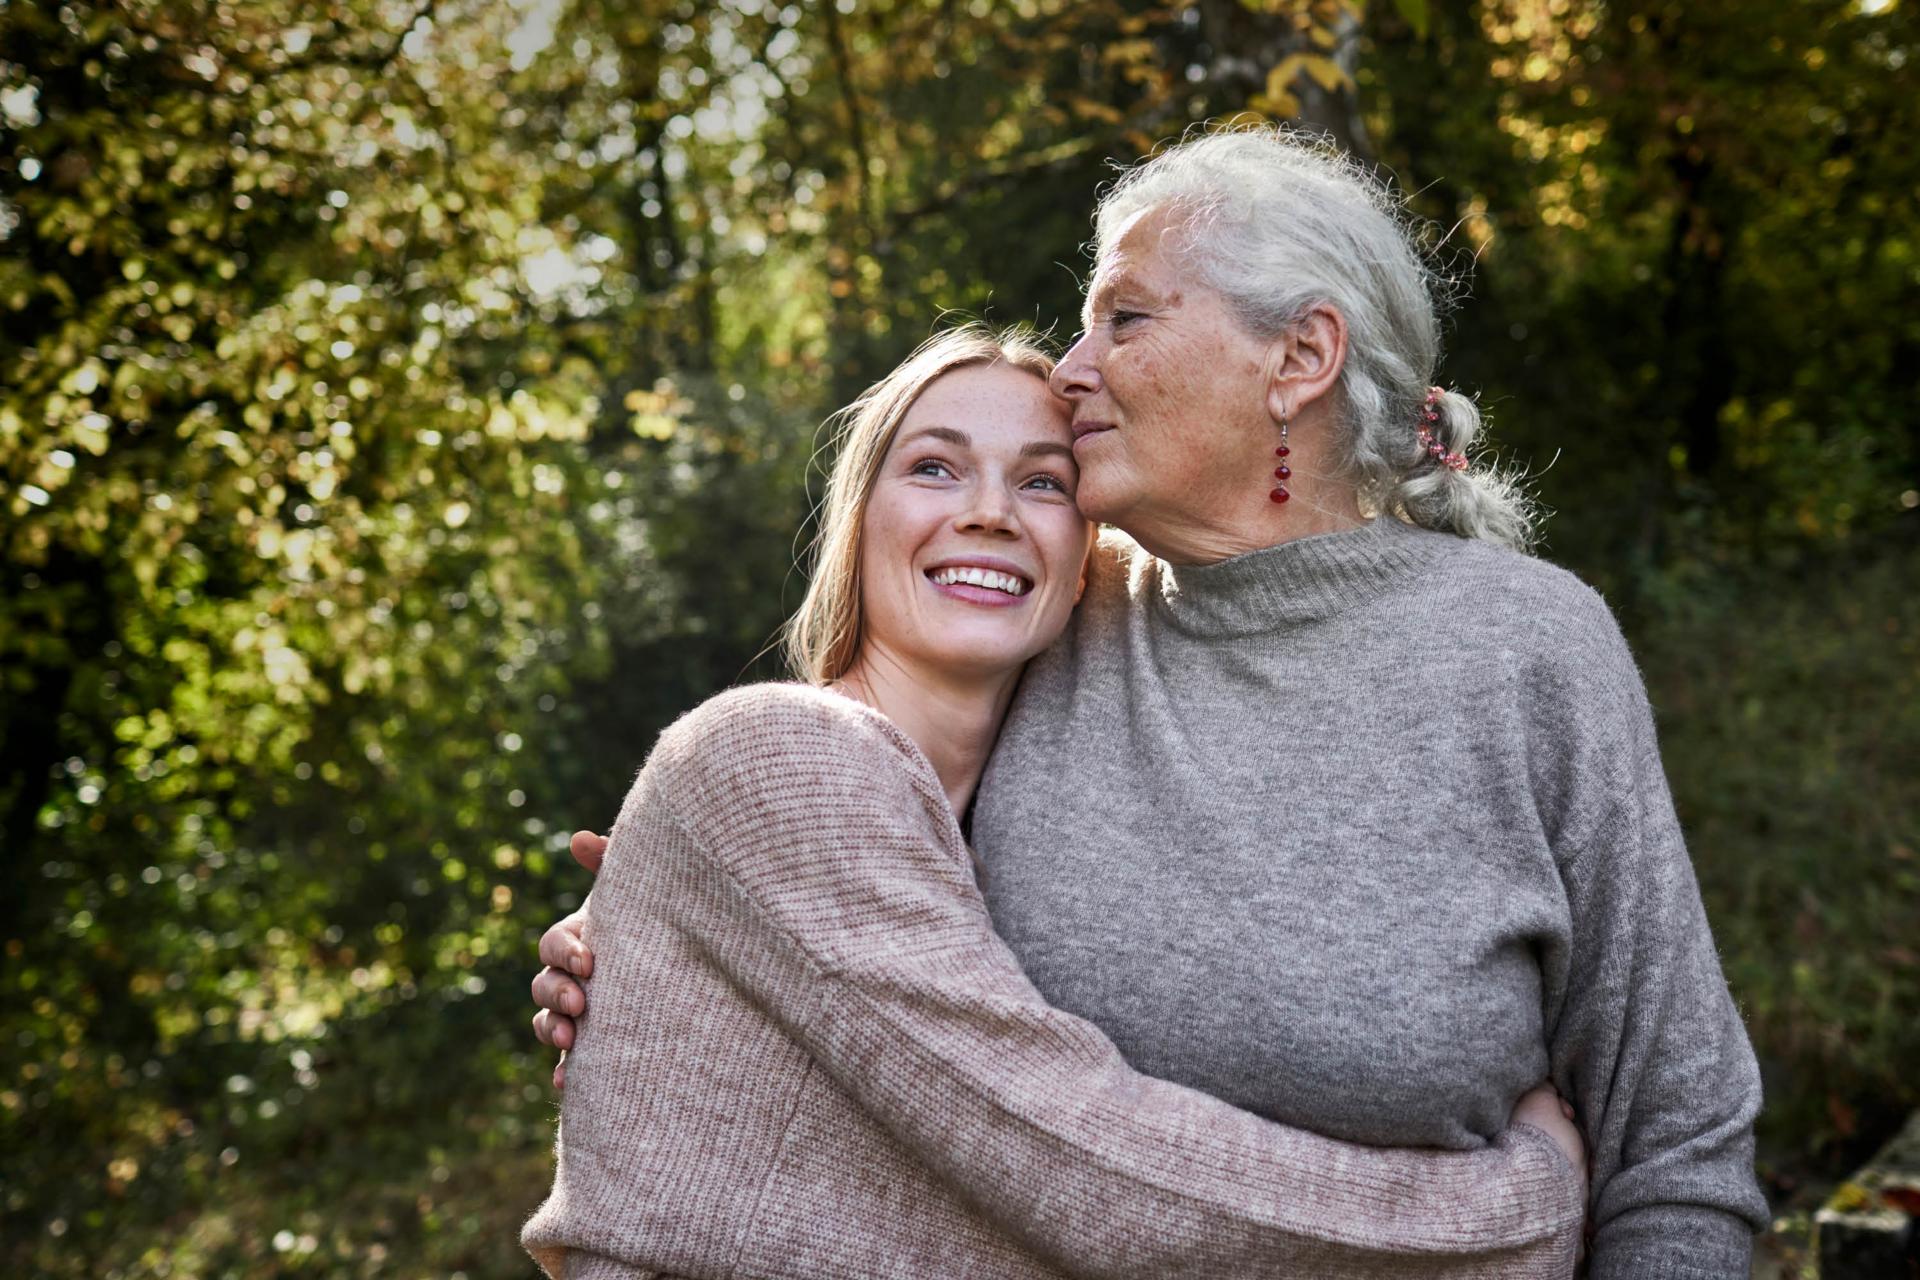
[(824, 635)]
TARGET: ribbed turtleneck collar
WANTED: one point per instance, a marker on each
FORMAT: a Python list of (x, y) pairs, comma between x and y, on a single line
[(1301, 581)]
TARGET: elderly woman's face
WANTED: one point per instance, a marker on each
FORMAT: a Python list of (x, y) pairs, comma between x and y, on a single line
[(1170, 418)]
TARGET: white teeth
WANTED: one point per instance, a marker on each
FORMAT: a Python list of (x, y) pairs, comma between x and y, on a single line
[(980, 578)]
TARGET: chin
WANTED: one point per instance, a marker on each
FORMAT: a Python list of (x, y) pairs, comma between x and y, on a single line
[(983, 656), (1101, 505), (1106, 490)]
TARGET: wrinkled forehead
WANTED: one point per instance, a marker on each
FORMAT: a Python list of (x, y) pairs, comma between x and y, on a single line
[(1142, 253)]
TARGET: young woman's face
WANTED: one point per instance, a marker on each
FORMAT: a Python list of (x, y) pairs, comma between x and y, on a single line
[(972, 551)]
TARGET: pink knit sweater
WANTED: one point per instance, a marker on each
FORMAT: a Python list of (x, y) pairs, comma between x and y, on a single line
[(809, 1056)]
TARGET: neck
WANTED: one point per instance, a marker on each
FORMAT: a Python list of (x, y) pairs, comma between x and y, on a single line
[(1240, 528), (954, 717)]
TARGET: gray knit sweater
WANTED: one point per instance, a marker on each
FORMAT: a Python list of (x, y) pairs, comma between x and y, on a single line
[(808, 1057), (1368, 833)]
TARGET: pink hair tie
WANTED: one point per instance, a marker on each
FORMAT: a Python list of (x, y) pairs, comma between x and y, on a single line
[(1429, 416)]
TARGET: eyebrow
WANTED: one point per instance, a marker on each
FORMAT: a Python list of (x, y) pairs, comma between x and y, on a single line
[(961, 440), (1103, 290), (958, 439)]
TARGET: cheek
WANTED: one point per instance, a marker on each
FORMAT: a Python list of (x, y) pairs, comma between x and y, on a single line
[(896, 527), (1066, 542), (878, 555), (1157, 390)]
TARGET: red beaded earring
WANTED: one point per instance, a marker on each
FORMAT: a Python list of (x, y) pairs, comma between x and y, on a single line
[(1283, 472)]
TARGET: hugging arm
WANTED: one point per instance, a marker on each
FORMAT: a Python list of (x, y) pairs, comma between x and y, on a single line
[(917, 1009)]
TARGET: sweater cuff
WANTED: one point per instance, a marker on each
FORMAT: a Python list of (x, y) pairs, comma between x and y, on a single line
[(1673, 1242)]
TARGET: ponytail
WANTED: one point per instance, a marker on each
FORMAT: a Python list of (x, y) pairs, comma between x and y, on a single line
[(1437, 485)]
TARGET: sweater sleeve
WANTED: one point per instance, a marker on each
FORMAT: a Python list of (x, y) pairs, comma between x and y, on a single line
[(824, 822), (1647, 1042)]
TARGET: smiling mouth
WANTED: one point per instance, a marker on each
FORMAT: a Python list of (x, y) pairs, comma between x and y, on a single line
[(987, 579)]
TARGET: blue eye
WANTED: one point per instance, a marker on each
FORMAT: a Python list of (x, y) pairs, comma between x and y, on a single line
[(931, 468), (1055, 482)]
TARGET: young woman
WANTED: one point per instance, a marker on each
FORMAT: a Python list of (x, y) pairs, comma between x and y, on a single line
[(809, 1055)]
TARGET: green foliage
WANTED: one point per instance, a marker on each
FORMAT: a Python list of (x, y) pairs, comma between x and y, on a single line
[(1790, 737), (298, 519), (1695, 280), (405, 411), (1415, 14)]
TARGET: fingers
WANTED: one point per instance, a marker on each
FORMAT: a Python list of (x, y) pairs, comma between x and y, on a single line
[(562, 949), (559, 994), (1543, 1093), (551, 1029), (587, 849), (560, 998)]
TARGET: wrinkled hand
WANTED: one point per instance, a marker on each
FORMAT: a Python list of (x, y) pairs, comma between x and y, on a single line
[(565, 955)]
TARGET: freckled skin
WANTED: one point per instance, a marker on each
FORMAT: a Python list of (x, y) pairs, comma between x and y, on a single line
[(1194, 399), (936, 500)]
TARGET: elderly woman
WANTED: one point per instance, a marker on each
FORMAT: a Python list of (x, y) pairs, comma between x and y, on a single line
[(1331, 802)]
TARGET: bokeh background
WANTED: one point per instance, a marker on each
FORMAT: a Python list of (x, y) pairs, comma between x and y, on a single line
[(406, 408)]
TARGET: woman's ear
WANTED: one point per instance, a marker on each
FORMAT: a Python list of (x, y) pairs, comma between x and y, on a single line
[(1304, 363)]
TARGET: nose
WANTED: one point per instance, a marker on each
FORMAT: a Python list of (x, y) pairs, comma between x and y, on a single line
[(990, 510), (1075, 376)]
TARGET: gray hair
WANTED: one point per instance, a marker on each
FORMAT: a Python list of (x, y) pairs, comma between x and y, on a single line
[(1279, 223)]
